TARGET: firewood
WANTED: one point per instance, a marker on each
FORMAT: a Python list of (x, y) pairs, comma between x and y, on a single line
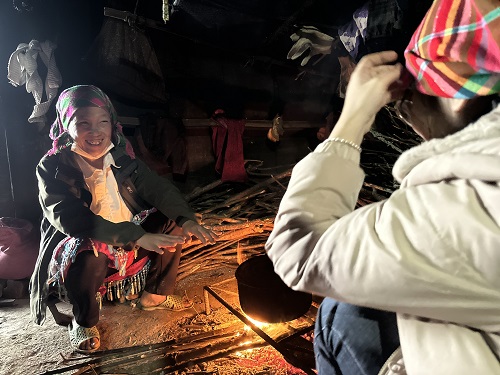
[(200, 191)]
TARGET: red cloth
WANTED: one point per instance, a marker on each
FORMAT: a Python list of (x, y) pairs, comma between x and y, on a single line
[(227, 143), (70, 247)]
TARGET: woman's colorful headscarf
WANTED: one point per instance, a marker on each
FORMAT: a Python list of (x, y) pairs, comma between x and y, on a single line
[(80, 96), (455, 52)]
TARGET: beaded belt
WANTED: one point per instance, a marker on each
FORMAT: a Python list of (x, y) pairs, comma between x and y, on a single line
[(119, 289)]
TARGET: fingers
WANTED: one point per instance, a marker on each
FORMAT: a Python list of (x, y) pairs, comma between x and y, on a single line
[(209, 236), (170, 241), (389, 80), (374, 83), (159, 242), (167, 242), (390, 73), (191, 228), (157, 250), (381, 68), (204, 235), (378, 58), (170, 249)]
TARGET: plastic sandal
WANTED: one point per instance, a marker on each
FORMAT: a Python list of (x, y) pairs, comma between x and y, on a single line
[(79, 334), (172, 303)]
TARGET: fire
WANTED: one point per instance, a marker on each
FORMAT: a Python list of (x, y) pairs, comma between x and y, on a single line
[(244, 353), (258, 323)]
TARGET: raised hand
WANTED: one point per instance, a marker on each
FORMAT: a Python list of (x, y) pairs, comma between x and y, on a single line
[(374, 83)]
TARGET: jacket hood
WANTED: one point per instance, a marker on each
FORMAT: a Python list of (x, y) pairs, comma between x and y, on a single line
[(471, 153)]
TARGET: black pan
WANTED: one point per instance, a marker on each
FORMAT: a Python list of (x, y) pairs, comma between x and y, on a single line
[(264, 296)]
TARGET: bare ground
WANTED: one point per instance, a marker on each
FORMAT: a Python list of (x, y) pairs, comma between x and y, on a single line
[(27, 348)]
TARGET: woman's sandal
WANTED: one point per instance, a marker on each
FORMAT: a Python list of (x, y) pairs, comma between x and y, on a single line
[(172, 303), (78, 335)]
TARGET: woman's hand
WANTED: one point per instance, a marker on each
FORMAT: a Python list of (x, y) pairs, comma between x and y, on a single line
[(157, 242), (373, 84), (191, 228)]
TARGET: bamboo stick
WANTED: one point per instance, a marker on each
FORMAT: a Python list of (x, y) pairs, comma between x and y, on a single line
[(200, 191)]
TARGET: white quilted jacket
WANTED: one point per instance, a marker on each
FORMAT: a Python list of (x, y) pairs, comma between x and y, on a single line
[(430, 253)]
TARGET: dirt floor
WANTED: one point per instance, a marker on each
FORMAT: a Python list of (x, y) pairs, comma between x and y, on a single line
[(30, 349), (199, 344)]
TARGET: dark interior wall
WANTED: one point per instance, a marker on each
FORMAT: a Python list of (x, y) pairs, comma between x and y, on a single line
[(6, 193), (198, 79), (206, 60), (209, 79), (72, 25), (202, 75)]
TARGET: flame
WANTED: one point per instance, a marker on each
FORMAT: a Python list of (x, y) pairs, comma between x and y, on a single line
[(244, 353), (246, 343), (247, 352), (256, 322)]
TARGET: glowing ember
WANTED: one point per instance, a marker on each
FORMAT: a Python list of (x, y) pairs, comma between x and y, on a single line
[(244, 353), (258, 323)]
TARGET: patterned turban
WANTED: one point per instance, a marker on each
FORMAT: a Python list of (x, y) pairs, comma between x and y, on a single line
[(77, 97), (74, 98), (455, 53)]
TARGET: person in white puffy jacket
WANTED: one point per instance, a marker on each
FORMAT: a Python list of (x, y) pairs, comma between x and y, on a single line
[(416, 275)]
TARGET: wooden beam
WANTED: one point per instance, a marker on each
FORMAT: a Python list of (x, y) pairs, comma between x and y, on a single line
[(199, 123)]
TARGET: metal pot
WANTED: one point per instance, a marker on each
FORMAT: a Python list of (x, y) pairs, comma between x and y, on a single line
[(264, 296)]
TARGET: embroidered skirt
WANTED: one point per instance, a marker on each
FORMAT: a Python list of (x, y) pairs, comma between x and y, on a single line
[(129, 278), (130, 275)]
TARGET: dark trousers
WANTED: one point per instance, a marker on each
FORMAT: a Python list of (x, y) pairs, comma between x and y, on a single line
[(87, 274), (353, 340)]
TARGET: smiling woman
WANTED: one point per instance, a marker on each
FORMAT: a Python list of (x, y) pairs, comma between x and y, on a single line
[(91, 131), (112, 228)]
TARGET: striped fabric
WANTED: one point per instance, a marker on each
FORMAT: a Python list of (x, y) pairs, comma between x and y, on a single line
[(455, 52), (76, 97)]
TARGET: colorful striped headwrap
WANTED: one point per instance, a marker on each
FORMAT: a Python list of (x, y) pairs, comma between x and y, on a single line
[(74, 98), (455, 52)]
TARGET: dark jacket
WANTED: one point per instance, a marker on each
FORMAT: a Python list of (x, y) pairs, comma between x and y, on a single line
[(65, 201)]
